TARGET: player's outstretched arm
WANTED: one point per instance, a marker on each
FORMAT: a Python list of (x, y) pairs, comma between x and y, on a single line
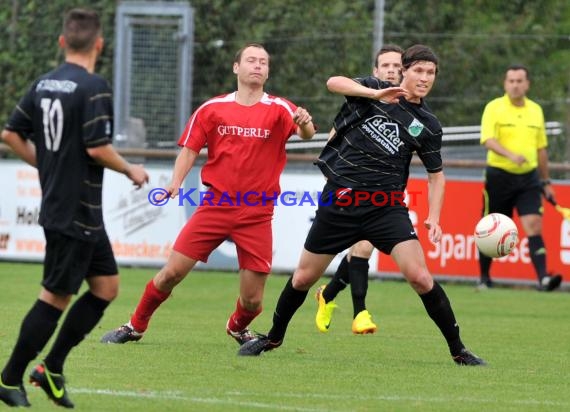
[(348, 87), (107, 156), (23, 148)]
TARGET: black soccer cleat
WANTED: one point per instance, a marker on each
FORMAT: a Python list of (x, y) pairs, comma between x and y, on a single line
[(53, 385), (550, 282), (467, 358), (123, 334), (14, 395), (258, 345)]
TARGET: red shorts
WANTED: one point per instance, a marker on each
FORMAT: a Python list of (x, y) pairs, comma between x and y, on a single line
[(248, 226)]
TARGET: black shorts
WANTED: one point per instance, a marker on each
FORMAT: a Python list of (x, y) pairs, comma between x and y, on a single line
[(505, 191), (337, 227), (68, 261)]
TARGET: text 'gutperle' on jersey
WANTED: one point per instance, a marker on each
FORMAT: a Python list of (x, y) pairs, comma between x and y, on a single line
[(375, 141), (246, 144), (64, 112)]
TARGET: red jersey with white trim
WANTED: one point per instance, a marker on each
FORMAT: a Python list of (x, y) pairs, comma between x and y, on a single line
[(246, 144)]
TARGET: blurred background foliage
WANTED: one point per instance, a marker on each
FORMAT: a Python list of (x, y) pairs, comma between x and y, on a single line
[(311, 41)]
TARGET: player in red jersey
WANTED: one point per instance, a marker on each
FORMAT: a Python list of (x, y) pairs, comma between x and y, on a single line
[(245, 132)]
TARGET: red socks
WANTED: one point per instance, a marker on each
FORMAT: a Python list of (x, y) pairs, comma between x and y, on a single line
[(241, 318), (152, 298), (149, 302)]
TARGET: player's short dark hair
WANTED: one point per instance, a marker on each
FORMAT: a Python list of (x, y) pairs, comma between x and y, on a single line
[(417, 53), (518, 66), (386, 49), (237, 57), (81, 27)]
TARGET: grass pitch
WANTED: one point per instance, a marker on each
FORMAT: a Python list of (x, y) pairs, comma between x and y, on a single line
[(186, 362)]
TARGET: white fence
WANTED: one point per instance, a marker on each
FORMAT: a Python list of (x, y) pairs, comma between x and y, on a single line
[(451, 134)]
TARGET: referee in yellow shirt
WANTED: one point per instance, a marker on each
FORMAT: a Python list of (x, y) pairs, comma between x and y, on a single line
[(513, 132)]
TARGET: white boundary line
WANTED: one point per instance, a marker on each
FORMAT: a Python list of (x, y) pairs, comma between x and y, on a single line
[(178, 395), (397, 398)]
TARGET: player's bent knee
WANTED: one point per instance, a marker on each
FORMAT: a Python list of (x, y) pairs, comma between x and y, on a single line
[(421, 281), (169, 276), (108, 295), (303, 281), (59, 301), (362, 250), (104, 287)]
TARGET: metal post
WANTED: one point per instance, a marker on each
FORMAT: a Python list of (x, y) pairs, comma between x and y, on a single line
[(378, 26)]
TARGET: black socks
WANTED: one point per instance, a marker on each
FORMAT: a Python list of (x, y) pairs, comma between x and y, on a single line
[(358, 270), (439, 309), (537, 253), (339, 281), (80, 320), (354, 272), (36, 330), (484, 267), (289, 301), (39, 325)]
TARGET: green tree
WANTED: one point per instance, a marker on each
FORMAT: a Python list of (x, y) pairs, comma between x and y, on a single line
[(312, 40)]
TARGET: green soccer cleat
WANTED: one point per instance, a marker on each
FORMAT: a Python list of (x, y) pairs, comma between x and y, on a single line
[(362, 324), (53, 385), (324, 311)]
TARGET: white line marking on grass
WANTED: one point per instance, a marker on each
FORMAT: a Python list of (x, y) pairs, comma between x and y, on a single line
[(131, 394), (177, 395), (397, 398)]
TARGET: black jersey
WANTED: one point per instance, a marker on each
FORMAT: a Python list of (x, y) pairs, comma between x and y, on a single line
[(375, 142), (64, 112)]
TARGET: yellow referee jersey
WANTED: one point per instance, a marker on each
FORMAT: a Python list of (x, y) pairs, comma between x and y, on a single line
[(518, 129)]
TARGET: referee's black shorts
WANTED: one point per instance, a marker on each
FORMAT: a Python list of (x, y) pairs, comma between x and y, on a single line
[(505, 191), (68, 261), (337, 226)]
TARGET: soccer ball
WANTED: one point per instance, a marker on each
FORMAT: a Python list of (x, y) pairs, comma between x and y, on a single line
[(496, 235)]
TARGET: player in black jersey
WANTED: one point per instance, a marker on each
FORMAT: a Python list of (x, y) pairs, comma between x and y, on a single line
[(353, 269), (63, 126), (367, 162)]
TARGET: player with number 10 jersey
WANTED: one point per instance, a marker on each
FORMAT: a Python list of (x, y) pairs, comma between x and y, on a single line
[(74, 110)]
